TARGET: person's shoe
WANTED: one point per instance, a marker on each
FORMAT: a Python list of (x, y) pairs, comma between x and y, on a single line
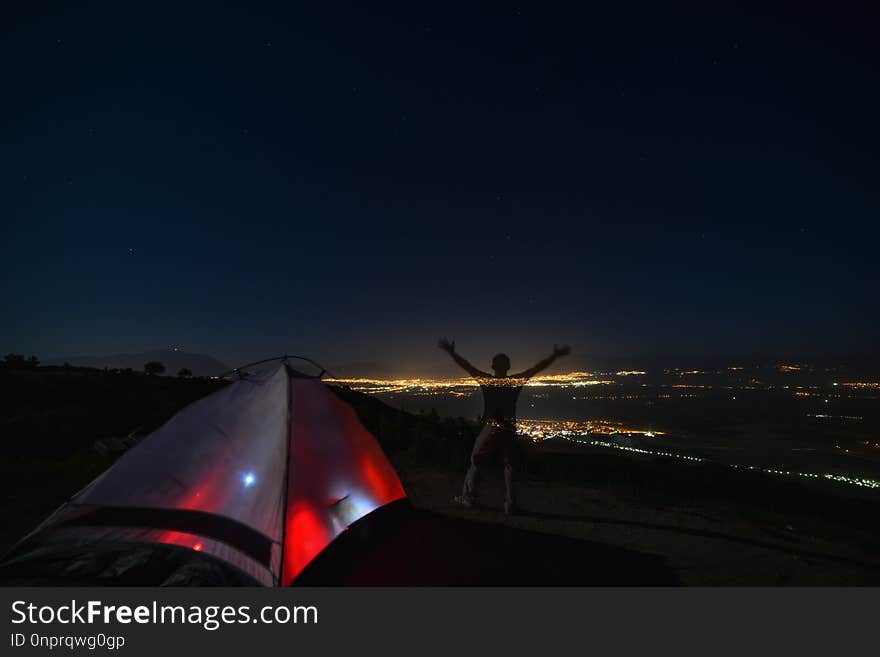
[(463, 501)]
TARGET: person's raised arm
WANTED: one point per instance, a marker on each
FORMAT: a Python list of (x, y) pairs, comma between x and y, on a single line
[(558, 352), (449, 347)]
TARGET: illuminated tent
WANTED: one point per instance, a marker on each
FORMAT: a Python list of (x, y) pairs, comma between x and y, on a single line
[(246, 485)]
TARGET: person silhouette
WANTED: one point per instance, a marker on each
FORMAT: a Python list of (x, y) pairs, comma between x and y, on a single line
[(498, 435)]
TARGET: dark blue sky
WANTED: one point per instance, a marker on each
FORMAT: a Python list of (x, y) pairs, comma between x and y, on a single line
[(350, 182)]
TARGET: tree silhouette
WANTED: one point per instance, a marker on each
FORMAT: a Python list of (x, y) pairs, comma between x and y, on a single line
[(13, 360), (154, 367), (19, 362), (184, 373)]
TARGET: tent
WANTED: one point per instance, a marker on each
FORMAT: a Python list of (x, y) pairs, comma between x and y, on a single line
[(247, 485)]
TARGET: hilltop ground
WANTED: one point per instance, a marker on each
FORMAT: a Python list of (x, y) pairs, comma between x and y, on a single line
[(587, 516), (708, 524)]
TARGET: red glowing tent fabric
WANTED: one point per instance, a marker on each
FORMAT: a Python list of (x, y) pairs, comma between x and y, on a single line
[(262, 475)]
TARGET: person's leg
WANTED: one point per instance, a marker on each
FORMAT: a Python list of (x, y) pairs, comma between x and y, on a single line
[(469, 488), (482, 449), (507, 458)]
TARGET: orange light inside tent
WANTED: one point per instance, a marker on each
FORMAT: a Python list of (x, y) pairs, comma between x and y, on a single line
[(197, 547)]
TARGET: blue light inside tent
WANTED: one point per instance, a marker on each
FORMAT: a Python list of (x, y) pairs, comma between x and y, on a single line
[(249, 479)]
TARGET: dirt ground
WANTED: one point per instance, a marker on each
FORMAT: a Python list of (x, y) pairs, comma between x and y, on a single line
[(700, 546), (568, 534)]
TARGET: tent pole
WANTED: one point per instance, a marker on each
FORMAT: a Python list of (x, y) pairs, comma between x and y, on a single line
[(286, 481)]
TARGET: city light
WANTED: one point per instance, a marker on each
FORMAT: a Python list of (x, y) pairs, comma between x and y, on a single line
[(863, 482), (538, 430), (618, 435), (466, 384)]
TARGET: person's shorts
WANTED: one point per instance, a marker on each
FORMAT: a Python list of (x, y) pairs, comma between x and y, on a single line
[(492, 441)]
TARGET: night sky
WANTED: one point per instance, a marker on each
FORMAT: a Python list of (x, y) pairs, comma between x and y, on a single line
[(351, 182)]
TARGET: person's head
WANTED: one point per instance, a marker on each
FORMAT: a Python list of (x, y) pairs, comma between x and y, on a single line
[(501, 364)]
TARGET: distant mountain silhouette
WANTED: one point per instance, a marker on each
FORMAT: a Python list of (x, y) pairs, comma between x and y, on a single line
[(198, 364)]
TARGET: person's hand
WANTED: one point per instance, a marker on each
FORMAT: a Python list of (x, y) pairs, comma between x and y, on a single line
[(446, 345), (558, 351)]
